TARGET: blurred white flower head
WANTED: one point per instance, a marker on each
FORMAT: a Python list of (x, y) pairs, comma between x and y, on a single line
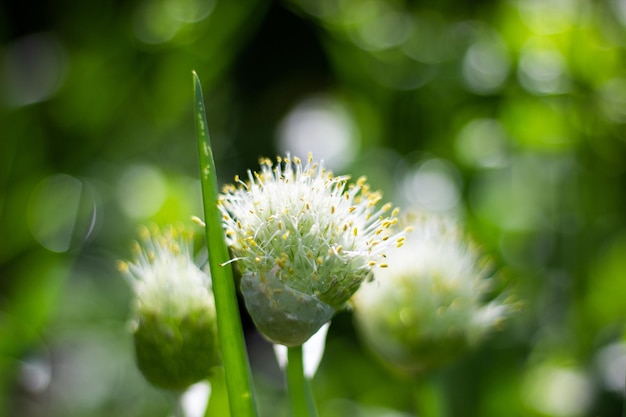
[(164, 275), (429, 304), (174, 319), (305, 240)]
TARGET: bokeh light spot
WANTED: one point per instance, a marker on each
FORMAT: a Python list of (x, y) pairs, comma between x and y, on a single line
[(154, 24), (548, 16), (486, 65), (34, 69), (433, 185), (35, 374), (141, 191), (612, 95), (189, 11), (429, 41), (400, 73), (483, 143), (542, 70), (62, 212), (323, 126), (619, 7), (558, 391), (378, 25), (611, 365)]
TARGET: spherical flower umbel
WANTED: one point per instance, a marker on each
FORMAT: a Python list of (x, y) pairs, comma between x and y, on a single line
[(305, 240), (174, 319), (430, 304)]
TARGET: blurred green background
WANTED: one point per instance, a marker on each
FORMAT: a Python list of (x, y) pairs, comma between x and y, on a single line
[(509, 114)]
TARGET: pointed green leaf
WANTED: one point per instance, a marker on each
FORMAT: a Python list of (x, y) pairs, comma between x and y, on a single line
[(232, 346)]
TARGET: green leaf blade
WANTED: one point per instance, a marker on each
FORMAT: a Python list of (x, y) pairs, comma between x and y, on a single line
[(232, 345)]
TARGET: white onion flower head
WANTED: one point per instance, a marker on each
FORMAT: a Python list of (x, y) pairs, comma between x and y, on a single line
[(304, 240), (429, 305), (164, 274), (174, 319)]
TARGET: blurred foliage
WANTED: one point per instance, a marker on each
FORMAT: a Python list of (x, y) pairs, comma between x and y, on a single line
[(509, 114)]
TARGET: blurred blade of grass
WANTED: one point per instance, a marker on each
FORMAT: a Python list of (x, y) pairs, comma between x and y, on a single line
[(234, 355)]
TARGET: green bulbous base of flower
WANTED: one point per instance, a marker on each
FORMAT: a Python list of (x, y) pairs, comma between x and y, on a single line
[(176, 352), (283, 315)]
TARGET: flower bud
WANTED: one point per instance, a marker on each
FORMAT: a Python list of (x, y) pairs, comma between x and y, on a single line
[(304, 240), (174, 320), (429, 305)]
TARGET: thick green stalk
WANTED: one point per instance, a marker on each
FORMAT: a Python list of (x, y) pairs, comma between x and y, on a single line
[(300, 396), (426, 397), (232, 346)]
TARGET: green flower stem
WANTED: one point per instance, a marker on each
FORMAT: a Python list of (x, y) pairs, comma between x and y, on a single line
[(310, 398), (427, 399), (232, 346), (300, 395)]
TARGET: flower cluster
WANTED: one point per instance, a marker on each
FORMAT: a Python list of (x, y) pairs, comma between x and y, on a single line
[(305, 240), (429, 304), (174, 322)]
